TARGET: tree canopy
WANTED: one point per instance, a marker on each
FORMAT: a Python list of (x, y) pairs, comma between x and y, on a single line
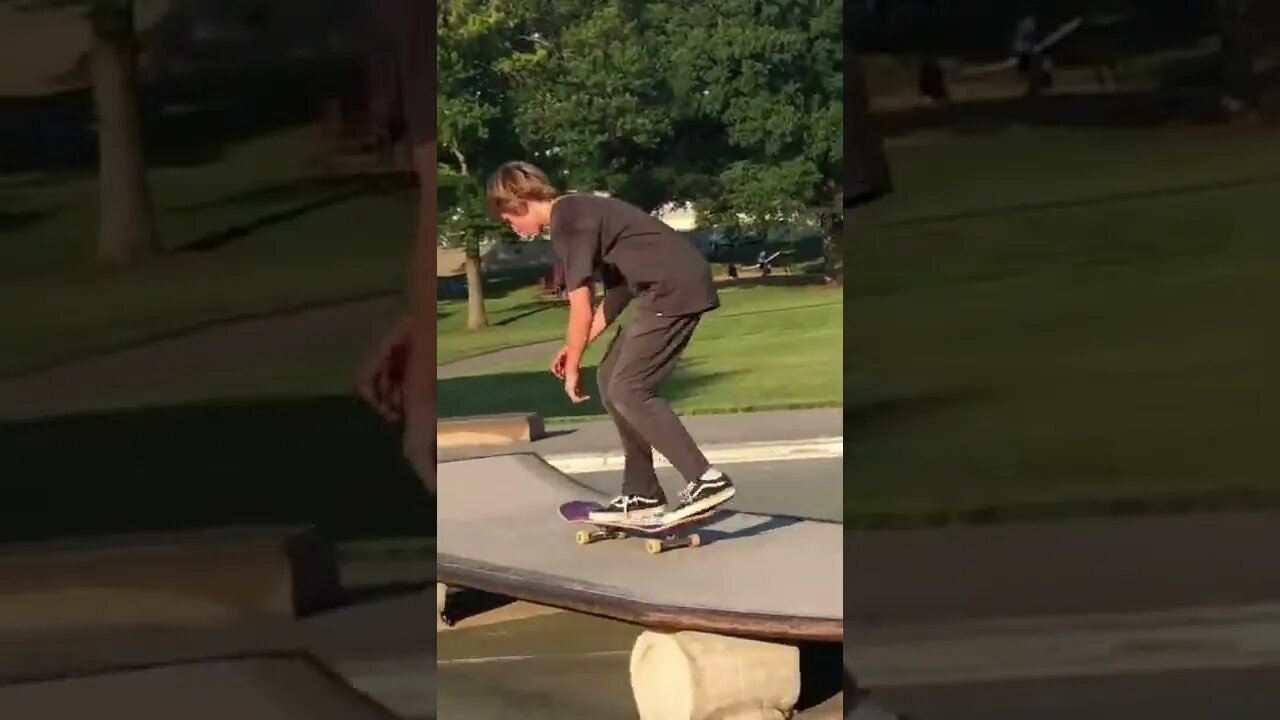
[(733, 105)]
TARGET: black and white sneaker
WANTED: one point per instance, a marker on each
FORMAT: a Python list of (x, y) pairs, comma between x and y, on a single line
[(629, 508), (700, 496)]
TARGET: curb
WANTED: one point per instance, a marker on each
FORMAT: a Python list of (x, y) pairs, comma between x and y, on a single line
[(723, 454)]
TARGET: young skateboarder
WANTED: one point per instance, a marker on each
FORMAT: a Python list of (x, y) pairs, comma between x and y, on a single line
[(636, 256)]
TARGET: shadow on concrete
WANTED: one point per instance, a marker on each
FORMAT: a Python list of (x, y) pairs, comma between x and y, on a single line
[(822, 675), (467, 603)]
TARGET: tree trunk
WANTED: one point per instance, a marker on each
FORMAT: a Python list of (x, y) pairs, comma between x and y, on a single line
[(126, 216), (833, 252), (476, 317)]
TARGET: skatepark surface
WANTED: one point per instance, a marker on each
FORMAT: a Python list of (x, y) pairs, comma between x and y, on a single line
[(755, 575)]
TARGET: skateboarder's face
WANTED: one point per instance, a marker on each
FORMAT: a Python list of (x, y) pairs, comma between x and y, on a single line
[(526, 224)]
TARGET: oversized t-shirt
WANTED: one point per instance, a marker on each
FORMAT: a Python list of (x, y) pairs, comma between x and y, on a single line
[(595, 237)]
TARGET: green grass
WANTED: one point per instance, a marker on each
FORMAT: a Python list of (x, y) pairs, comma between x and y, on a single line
[(516, 316), (301, 234), (766, 347), (268, 441), (1052, 323)]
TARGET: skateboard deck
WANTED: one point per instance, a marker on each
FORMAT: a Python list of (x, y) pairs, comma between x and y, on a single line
[(660, 535)]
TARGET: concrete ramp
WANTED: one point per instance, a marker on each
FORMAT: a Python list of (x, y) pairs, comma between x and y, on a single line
[(755, 575), (287, 686)]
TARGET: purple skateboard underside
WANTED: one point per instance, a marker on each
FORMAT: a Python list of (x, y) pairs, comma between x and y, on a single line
[(577, 512)]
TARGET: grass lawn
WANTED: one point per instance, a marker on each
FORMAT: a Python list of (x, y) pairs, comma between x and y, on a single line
[(766, 347), (1051, 323), (267, 227)]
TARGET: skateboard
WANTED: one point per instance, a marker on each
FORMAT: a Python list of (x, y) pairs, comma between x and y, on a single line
[(660, 536)]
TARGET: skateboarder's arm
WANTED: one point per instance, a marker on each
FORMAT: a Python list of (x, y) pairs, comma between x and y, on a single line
[(615, 301), (579, 330), (575, 240)]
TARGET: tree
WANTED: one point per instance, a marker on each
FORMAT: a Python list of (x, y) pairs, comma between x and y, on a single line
[(770, 75), (590, 98), (476, 130), (126, 214)]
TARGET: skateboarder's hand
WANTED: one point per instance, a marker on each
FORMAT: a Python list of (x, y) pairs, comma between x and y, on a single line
[(573, 385), (381, 379), (557, 362)]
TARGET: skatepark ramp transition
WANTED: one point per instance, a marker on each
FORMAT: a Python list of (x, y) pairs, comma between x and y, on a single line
[(283, 686), (761, 576)]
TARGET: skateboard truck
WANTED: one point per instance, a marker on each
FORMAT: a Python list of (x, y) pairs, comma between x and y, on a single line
[(660, 536), (652, 545)]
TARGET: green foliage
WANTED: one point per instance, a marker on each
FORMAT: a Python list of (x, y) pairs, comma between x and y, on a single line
[(473, 113), (735, 105)]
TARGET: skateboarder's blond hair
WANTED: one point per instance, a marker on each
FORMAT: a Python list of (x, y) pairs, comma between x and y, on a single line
[(516, 183)]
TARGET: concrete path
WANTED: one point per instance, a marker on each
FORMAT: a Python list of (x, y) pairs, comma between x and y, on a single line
[(480, 363), (811, 489), (279, 339), (591, 445)]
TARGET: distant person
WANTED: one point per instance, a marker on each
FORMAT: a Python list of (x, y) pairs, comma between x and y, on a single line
[(765, 262), (1024, 43), (1032, 63), (639, 257)]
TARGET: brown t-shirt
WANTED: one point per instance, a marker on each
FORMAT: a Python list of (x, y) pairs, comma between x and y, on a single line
[(594, 236)]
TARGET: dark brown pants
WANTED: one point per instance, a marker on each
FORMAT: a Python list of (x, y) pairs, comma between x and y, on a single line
[(642, 355)]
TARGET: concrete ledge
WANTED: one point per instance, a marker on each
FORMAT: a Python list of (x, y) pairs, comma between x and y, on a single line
[(489, 430), (184, 579)]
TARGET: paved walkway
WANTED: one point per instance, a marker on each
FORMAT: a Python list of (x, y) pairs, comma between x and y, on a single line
[(479, 363), (274, 340), (599, 438)]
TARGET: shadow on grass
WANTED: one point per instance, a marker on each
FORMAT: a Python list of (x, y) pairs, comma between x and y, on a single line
[(308, 188), (186, 120), (528, 310), (1097, 110), (862, 420), (789, 280), (500, 283), (542, 393), (239, 231), (324, 461), (10, 221)]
